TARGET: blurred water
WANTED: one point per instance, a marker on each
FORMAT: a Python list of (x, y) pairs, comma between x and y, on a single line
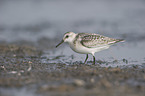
[(17, 92), (31, 20)]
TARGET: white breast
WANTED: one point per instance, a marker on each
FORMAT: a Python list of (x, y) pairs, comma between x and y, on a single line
[(79, 48)]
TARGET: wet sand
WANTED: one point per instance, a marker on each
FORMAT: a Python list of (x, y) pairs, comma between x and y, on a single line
[(21, 67)]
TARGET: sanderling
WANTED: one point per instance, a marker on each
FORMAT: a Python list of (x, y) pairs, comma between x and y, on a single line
[(88, 43)]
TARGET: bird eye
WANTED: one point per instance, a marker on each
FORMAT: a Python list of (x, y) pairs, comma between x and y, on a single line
[(66, 36)]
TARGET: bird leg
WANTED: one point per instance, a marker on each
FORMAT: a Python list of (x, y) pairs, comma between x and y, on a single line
[(94, 60), (86, 58)]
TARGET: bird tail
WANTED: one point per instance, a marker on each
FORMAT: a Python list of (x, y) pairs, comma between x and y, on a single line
[(120, 40)]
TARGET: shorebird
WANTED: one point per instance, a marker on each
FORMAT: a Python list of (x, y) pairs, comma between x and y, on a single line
[(88, 43)]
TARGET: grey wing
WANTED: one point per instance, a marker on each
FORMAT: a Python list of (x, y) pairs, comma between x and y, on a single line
[(96, 40)]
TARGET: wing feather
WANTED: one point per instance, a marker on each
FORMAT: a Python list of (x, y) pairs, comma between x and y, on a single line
[(95, 40)]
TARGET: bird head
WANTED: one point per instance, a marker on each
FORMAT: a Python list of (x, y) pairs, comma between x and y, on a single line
[(68, 37)]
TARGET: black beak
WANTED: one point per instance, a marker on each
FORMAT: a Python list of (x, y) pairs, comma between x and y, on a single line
[(59, 43)]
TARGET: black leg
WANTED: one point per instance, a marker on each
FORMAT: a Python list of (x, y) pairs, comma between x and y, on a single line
[(86, 58), (94, 60)]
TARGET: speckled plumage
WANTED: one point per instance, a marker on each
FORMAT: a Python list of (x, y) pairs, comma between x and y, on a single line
[(92, 40), (88, 43)]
